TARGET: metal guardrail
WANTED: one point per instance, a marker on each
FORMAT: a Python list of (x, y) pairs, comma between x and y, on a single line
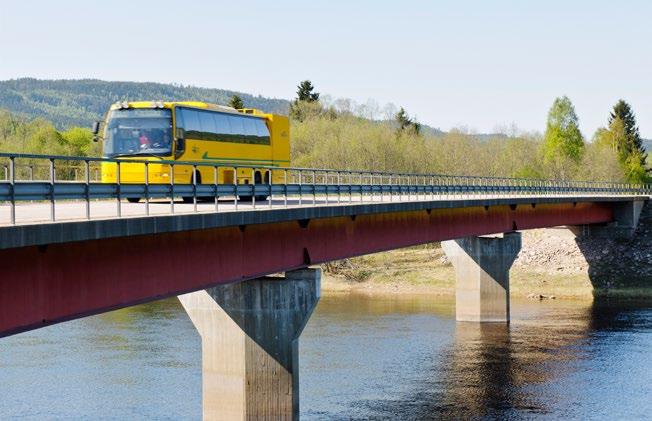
[(30, 177)]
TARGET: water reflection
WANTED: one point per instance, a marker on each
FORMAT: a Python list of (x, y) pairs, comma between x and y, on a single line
[(493, 371), (361, 358)]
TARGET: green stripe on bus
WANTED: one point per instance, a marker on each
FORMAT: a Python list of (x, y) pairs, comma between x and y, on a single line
[(216, 158)]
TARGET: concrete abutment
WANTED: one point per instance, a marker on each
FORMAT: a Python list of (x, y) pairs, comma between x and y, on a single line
[(482, 267), (250, 332)]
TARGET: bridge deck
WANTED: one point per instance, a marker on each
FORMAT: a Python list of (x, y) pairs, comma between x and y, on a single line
[(35, 227)]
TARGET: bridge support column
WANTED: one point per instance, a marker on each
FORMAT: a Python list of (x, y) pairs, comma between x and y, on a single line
[(482, 276), (250, 342)]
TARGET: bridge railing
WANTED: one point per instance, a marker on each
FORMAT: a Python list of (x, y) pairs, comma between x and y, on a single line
[(52, 180)]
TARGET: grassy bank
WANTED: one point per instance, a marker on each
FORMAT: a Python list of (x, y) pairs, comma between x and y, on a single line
[(425, 269)]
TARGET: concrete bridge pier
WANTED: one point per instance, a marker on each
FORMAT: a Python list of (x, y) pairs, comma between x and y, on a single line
[(482, 276), (250, 339)]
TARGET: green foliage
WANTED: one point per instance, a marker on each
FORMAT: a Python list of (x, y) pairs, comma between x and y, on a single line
[(305, 92), (39, 136), (624, 137), (352, 142), (563, 137), (405, 122), (563, 144), (306, 102), (236, 102), (69, 103)]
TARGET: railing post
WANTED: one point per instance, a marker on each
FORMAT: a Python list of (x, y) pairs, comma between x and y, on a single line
[(87, 178), (300, 188), (380, 184), (253, 188), (12, 182), (194, 188), (314, 188), (172, 188), (339, 186), (31, 173), (52, 197), (147, 188), (350, 187), (271, 176), (235, 188), (117, 174), (285, 189), (216, 176)]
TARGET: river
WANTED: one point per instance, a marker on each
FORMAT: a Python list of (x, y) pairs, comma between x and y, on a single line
[(389, 357)]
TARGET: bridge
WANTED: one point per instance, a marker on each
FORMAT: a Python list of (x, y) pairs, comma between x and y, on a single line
[(71, 246)]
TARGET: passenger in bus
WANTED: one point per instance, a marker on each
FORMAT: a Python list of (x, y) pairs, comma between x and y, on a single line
[(144, 140)]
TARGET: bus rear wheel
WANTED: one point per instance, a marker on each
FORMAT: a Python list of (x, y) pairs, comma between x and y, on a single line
[(133, 199), (259, 198)]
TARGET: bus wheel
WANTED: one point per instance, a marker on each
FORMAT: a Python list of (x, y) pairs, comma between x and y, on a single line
[(262, 197), (257, 180), (133, 199), (188, 199)]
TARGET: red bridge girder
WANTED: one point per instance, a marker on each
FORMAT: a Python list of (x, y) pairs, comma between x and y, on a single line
[(42, 285)]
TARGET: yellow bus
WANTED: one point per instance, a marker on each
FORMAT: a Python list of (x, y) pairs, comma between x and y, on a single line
[(195, 132)]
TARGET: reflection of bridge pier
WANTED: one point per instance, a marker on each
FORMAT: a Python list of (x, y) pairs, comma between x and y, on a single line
[(482, 276), (250, 351)]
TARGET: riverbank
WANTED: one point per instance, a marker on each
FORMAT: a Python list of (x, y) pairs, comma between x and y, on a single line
[(552, 264)]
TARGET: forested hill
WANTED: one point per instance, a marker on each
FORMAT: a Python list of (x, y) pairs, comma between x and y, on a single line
[(70, 103)]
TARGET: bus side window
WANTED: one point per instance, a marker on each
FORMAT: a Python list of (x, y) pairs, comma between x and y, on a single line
[(223, 127), (237, 127), (250, 130), (207, 124), (262, 131), (178, 115), (191, 124)]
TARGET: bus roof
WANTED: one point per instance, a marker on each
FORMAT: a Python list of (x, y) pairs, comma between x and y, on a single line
[(170, 104)]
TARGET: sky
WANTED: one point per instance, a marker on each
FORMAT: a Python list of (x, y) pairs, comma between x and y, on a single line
[(483, 65)]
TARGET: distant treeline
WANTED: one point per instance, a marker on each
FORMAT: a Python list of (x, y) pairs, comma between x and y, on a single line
[(68, 103), (333, 136)]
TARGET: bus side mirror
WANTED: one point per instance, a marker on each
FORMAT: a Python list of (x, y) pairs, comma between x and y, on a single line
[(180, 134), (181, 141), (95, 129), (181, 145)]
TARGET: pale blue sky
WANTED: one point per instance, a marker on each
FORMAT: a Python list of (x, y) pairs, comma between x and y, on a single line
[(481, 64)]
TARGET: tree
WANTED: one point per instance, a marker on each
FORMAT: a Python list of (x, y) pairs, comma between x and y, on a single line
[(563, 144), (236, 102), (306, 102), (305, 92), (405, 122), (627, 141)]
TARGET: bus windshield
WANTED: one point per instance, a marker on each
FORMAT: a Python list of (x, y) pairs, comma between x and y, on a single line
[(138, 131)]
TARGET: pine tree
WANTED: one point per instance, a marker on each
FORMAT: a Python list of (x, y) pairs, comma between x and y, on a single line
[(306, 102), (630, 146), (236, 102), (405, 122), (403, 119), (305, 92)]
